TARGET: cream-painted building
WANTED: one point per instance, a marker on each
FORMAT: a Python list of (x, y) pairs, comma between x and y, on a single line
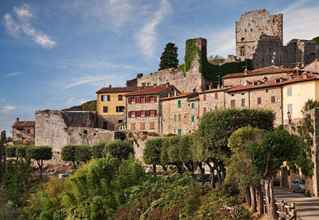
[(296, 93)]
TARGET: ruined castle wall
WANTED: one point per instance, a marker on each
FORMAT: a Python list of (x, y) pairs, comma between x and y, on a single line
[(52, 129), (187, 81), (251, 26)]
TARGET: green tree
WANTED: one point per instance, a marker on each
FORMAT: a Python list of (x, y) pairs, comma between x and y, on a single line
[(169, 57), (120, 149), (98, 150), (39, 154), (277, 147), (241, 170), (76, 154), (216, 127), (316, 39), (152, 152)]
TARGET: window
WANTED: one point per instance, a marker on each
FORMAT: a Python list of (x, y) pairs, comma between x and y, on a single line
[(105, 125), (142, 126), (105, 109), (193, 118), (142, 114), (179, 103), (216, 95), (153, 113), (120, 108), (204, 110), (179, 117), (289, 109), (204, 97), (242, 102), (259, 101), (152, 125), (179, 131), (273, 99), (132, 126), (130, 100), (232, 103), (193, 105), (289, 91), (175, 117), (242, 51), (120, 97), (105, 98), (137, 114), (147, 113)]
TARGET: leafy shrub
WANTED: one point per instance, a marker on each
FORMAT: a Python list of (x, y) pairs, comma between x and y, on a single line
[(120, 149)]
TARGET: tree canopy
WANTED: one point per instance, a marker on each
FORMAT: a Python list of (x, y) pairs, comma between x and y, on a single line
[(169, 58)]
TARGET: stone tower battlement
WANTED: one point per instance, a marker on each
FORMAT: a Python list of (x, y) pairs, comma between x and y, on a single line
[(251, 26)]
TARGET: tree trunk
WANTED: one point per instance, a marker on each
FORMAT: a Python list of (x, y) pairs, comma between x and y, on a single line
[(252, 199), (154, 169), (202, 170), (269, 199), (259, 200), (247, 196)]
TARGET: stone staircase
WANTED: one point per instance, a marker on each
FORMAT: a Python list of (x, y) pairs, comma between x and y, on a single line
[(307, 208)]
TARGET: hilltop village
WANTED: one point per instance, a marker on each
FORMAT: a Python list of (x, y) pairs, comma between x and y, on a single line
[(223, 132), (172, 101)]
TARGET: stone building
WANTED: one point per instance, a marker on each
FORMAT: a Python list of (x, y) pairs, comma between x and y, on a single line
[(144, 112), (247, 77), (180, 114), (23, 132), (111, 106), (59, 128), (251, 26), (259, 37), (183, 81)]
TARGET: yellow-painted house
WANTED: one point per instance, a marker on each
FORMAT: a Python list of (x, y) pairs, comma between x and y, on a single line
[(110, 103)]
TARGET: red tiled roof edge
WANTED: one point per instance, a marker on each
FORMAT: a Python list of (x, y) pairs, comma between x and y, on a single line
[(115, 89)]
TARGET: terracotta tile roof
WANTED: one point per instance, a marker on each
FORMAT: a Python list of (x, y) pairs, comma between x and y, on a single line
[(115, 89), (260, 71), (150, 90), (275, 83), (182, 95), (23, 124)]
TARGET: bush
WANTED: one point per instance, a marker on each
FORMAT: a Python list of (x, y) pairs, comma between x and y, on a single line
[(11, 151), (76, 154), (39, 154), (98, 150), (120, 149)]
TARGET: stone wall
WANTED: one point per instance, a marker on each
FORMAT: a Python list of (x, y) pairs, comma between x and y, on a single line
[(58, 128), (251, 26), (184, 81)]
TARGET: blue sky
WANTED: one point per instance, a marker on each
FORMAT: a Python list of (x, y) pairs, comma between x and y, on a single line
[(56, 54)]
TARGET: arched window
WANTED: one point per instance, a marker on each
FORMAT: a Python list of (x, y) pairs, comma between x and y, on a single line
[(242, 51)]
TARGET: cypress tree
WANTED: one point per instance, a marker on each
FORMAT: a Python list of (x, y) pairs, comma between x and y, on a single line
[(169, 57)]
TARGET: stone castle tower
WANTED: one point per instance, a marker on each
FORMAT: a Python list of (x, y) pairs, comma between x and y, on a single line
[(252, 26)]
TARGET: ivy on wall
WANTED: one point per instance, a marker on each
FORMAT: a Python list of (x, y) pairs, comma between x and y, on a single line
[(211, 72)]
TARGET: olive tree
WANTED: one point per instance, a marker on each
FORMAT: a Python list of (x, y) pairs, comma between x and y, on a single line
[(216, 127), (152, 152), (39, 154), (120, 149)]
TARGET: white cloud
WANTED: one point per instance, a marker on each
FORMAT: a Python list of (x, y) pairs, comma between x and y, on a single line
[(221, 42), (19, 22), (120, 11), (6, 109), (87, 80), (147, 36), (301, 20)]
